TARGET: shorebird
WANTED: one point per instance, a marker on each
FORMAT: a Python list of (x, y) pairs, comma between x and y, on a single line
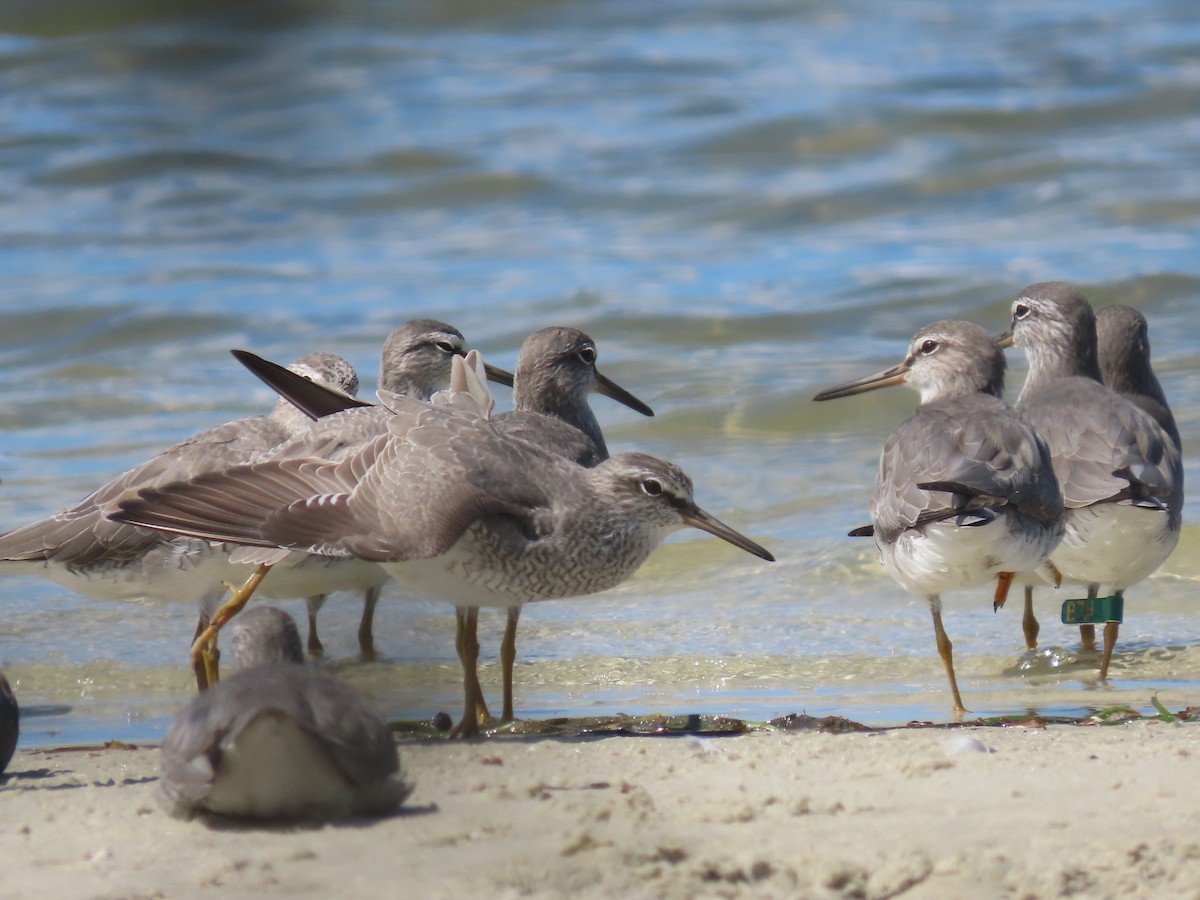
[(82, 550), (415, 361), (451, 507), (555, 373), (965, 491), (10, 723), (1120, 471), (1123, 351), (278, 740)]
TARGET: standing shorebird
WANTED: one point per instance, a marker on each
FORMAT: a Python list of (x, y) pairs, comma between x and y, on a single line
[(278, 740), (415, 361), (965, 492), (79, 548), (555, 374), (1120, 471), (451, 507)]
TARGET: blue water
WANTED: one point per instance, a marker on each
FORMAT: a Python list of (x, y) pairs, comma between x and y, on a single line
[(742, 202)]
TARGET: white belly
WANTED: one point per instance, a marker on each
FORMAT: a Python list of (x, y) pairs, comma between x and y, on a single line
[(1113, 545), (949, 557), (301, 575), (175, 571)]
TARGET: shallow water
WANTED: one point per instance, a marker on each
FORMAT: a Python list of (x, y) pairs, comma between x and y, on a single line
[(742, 202)]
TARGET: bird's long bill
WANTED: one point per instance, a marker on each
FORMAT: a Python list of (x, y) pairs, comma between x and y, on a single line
[(314, 400), (886, 378), (698, 518), (610, 388), (1005, 340), (498, 375)]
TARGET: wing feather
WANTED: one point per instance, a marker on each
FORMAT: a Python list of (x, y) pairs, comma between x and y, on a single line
[(962, 457)]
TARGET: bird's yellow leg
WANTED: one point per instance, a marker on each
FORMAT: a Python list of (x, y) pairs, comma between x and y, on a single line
[(201, 670), (1029, 622), (1087, 633), (946, 652), (466, 642), (508, 657), (205, 644), (1111, 630)]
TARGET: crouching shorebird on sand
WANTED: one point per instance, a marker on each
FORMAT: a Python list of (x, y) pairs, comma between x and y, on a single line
[(279, 740), (965, 492), (450, 507), (1120, 471)]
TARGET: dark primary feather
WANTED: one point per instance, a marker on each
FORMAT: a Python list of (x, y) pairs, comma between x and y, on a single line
[(314, 399)]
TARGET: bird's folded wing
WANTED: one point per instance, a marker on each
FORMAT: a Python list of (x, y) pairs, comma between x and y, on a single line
[(1107, 449), (962, 458)]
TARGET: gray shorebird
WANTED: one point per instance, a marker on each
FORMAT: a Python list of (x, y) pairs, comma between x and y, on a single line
[(555, 374), (1123, 351), (451, 507), (1120, 471), (279, 741), (965, 492), (415, 361), (82, 550)]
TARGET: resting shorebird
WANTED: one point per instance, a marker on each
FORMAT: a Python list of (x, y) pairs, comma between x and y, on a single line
[(279, 741), (965, 492), (451, 507), (1120, 471)]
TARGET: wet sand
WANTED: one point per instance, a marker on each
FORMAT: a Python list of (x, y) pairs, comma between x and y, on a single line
[(1018, 811)]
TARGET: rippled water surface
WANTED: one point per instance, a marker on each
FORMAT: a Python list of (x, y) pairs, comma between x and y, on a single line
[(743, 202)]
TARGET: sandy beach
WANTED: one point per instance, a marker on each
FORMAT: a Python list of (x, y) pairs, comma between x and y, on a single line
[(1018, 811)]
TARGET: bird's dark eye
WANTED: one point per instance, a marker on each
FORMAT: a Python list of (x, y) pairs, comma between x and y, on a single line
[(652, 486), (929, 346), (588, 355), (446, 347), (1020, 311)]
